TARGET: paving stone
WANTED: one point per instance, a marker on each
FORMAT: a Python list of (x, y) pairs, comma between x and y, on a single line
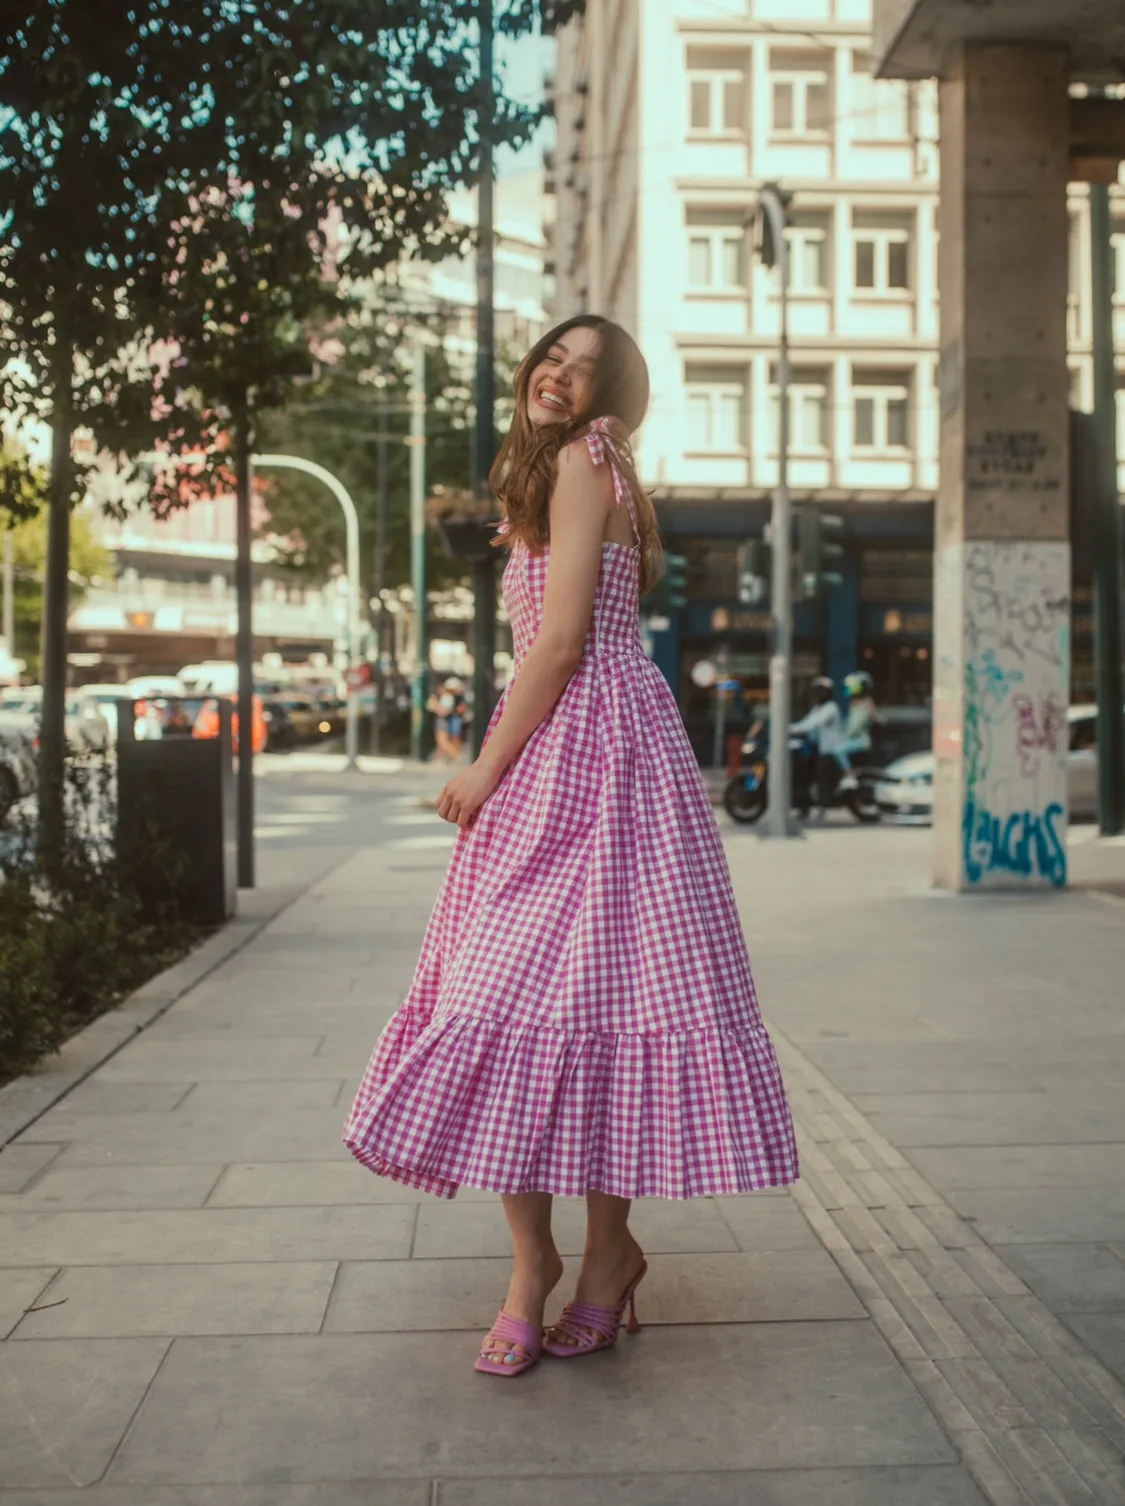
[(453, 1229), (64, 1407), (1068, 1215), (278, 1057), (207, 1235), (1105, 1334), (18, 1290), (768, 1286), (142, 1301), (674, 1399), (1058, 1122), (767, 1222), (280, 1095), (90, 1188), (1015, 1166), (319, 1493), (98, 1096), (1080, 1278), (196, 1135), (317, 1184), (22, 1161), (799, 1487)]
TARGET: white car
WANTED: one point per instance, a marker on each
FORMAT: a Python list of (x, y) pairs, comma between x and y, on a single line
[(904, 791)]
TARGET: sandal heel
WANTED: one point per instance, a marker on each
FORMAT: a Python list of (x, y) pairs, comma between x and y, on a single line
[(633, 1326)]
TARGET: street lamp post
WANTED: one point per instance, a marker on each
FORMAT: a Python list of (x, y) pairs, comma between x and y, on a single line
[(770, 216), (355, 630)]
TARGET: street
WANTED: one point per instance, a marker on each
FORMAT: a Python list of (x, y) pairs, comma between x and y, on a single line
[(228, 1310)]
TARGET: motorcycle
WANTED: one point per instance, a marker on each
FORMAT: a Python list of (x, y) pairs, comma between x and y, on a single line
[(746, 796)]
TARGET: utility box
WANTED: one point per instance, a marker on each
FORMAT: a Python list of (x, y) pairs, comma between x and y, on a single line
[(176, 818)]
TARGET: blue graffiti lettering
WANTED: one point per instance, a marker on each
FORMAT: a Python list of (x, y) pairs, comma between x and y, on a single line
[(1025, 843)]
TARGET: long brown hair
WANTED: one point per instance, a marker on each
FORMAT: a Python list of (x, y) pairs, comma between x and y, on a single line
[(525, 471)]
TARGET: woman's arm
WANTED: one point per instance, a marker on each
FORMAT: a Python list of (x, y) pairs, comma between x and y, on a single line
[(580, 505)]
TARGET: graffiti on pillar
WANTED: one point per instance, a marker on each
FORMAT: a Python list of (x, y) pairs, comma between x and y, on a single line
[(1016, 667)]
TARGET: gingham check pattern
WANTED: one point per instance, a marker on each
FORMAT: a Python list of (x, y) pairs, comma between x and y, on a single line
[(582, 1015)]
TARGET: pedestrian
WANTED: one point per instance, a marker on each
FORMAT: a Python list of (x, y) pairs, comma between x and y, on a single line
[(457, 711), (442, 706), (823, 726), (582, 1021)]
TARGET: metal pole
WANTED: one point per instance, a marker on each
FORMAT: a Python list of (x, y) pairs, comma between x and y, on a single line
[(244, 649), (355, 623), (8, 617), (778, 818), (484, 570), (417, 443), (378, 680), (1106, 531), (722, 664)]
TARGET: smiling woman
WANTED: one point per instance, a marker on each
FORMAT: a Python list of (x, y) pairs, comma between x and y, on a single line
[(582, 1020)]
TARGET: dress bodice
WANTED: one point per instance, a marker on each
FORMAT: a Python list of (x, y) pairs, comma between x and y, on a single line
[(615, 621)]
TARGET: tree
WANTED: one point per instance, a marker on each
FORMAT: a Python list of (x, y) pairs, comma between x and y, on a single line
[(174, 183), (361, 392), (88, 560)]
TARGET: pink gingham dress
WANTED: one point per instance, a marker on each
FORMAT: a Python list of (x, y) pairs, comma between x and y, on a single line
[(582, 1016)]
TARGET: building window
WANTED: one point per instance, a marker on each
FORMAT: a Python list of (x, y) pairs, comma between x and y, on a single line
[(808, 254), (880, 411), (880, 107), (1117, 262), (808, 413), (716, 409), (882, 252), (717, 95), (800, 99), (716, 251)]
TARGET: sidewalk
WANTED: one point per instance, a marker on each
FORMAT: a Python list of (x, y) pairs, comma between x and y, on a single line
[(231, 1313)]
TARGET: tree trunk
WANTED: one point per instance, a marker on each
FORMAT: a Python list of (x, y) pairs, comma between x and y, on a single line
[(56, 601)]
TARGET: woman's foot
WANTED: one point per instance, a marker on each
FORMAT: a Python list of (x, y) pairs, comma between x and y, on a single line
[(607, 1271), (532, 1283)]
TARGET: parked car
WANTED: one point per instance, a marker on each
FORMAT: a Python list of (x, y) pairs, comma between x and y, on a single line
[(280, 732), (905, 790), (303, 714), (18, 732)]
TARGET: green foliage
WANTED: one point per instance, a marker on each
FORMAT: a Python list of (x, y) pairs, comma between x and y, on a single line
[(74, 943), (176, 181), (88, 559), (363, 390)]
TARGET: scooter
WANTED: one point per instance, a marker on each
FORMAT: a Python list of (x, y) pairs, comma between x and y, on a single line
[(746, 796)]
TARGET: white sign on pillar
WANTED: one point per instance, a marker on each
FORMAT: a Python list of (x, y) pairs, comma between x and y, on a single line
[(1000, 707)]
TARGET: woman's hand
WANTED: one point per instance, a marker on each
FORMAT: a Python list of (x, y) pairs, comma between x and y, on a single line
[(464, 795)]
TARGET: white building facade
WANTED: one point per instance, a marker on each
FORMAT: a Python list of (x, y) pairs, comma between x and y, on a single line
[(671, 116)]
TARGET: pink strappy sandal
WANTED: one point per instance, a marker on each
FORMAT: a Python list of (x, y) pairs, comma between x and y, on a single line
[(510, 1348), (589, 1328)]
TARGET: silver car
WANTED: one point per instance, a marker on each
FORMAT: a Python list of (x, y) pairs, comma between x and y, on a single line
[(904, 791)]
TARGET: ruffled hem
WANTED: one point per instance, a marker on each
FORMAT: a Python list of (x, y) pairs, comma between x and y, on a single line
[(462, 1100)]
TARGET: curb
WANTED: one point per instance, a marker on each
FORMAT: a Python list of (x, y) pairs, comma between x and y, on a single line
[(28, 1098)]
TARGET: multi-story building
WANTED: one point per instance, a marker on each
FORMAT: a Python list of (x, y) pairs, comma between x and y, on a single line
[(671, 115)]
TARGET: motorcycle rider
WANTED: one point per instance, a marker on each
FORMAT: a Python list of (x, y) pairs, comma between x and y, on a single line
[(823, 726), (860, 688)]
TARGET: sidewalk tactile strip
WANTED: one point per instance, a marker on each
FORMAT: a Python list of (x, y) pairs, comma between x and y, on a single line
[(1039, 1420)]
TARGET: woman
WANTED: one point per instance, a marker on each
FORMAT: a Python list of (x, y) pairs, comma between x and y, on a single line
[(582, 1021)]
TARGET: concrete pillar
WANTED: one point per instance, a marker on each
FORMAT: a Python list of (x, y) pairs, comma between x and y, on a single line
[(1002, 566)]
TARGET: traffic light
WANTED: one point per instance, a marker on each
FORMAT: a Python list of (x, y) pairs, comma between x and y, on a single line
[(754, 565), (820, 551), (674, 582)]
